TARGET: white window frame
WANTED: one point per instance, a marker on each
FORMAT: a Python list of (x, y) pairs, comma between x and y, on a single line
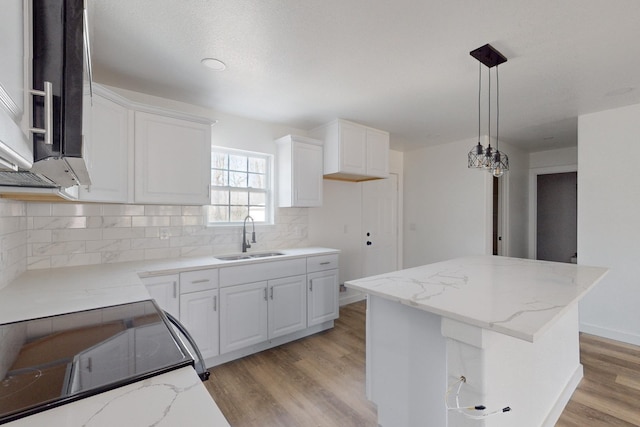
[(268, 190)]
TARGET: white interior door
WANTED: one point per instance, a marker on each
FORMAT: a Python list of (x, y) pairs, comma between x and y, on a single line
[(380, 226)]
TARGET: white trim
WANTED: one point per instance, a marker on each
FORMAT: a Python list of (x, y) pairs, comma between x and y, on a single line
[(556, 411), (612, 334), (533, 197)]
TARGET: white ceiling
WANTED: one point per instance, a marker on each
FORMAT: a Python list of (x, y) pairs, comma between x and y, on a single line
[(398, 65)]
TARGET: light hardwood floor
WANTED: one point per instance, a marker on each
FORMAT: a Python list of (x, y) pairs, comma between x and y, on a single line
[(319, 381)]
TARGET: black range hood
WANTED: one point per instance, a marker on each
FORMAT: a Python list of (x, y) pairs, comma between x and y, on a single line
[(58, 58)]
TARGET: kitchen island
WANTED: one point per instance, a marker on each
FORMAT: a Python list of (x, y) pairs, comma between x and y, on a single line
[(508, 326)]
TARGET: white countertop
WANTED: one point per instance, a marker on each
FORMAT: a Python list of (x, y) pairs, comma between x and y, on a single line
[(47, 292), (516, 297), (177, 398), (173, 399)]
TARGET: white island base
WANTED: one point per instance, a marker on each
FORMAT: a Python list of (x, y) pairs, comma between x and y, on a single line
[(414, 356), (509, 326)]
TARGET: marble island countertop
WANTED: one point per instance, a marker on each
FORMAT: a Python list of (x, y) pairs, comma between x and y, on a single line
[(516, 297)]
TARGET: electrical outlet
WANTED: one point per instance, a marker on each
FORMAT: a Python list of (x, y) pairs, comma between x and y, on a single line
[(164, 233)]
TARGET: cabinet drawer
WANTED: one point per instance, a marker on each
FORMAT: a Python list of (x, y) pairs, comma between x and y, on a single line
[(199, 280), (256, 272), (322, 262)]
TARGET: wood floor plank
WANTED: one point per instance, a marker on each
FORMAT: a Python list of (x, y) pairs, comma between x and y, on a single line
[(319, 381)]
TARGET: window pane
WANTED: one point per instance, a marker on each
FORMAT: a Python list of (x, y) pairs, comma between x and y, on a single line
[(258, 214), (238, 213), (239, 198), (218, 214), (257, 181), (237, 163), (238, 179), (220, 197), (257, 198), (219, 161), (219, 177), (257, 164)]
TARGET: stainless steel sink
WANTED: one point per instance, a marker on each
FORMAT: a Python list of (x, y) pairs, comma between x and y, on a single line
[(247, 256), (265, 254), (232, 257)]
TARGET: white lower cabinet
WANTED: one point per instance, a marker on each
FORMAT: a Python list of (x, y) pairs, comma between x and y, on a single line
[(243, 316), (199, 314), (164, 289), (322, 298), (287, 311)]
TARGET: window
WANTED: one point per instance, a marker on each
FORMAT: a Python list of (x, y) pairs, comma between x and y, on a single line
[(240, 186)]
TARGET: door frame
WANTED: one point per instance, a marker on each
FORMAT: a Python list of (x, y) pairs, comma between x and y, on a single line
[(533, 200)]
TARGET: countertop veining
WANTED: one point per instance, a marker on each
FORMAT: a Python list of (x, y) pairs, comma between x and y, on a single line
[(513, 296)]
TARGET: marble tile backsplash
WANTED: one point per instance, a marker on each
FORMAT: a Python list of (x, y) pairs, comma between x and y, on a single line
[(71, 234), (13, 240)]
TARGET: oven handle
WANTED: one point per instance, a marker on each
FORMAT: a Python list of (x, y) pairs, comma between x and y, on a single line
[(200, 367)]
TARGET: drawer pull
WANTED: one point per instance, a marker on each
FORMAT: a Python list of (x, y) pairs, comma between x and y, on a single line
[(325, 263), (199, 281)]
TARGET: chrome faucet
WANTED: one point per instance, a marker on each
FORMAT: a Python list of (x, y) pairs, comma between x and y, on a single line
[(245, 242)]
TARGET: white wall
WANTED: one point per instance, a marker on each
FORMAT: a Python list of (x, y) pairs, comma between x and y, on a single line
[(517, 198), (446, 205), (551, 158), (608, 225)]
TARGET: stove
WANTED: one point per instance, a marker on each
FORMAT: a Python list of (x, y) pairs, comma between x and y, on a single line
[(55, 360)]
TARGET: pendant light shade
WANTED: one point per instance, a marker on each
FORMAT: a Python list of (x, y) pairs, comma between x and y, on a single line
[(480, 157)]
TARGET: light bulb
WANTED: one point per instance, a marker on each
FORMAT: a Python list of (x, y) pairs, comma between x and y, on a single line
[(497, 172)]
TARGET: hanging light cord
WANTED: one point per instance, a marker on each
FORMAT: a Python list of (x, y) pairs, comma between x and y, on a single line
[(489, 132), (497, 109), (479, 97), (465, 410)]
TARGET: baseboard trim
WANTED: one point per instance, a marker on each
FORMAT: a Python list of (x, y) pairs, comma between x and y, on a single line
[(348, 299), (565, 396), (613, 334)]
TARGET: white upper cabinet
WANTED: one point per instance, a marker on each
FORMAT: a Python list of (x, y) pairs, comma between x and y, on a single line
[(353, 152), (172, 160), (15, 147), (108, 129), (299, 171)]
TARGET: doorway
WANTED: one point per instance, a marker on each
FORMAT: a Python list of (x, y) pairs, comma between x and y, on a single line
[(557, 216), (380, 226)]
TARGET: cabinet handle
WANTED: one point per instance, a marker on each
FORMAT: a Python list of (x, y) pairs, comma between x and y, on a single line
[(48, 112), (215, 303), (325, 263), (272, 292), (311, 285), (265, 294), (175, 289), (89, 365), (199, 281)]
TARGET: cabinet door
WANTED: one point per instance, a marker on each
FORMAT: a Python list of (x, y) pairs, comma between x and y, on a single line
[(353, 141), (16, 150), (377, 153), (164, 289), (307, 175), (287, 305), (108, 137), (100, 364), (199, 314), (172, 160), (243, 316), (322, 297)]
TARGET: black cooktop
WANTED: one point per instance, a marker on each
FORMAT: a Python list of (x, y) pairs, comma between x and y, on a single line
[(55, 360)]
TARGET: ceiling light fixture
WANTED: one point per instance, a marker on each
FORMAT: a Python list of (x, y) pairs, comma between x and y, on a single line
[(214, 64), (495, 161)]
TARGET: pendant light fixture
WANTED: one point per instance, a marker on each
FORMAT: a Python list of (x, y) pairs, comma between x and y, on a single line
[(494, 161)]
